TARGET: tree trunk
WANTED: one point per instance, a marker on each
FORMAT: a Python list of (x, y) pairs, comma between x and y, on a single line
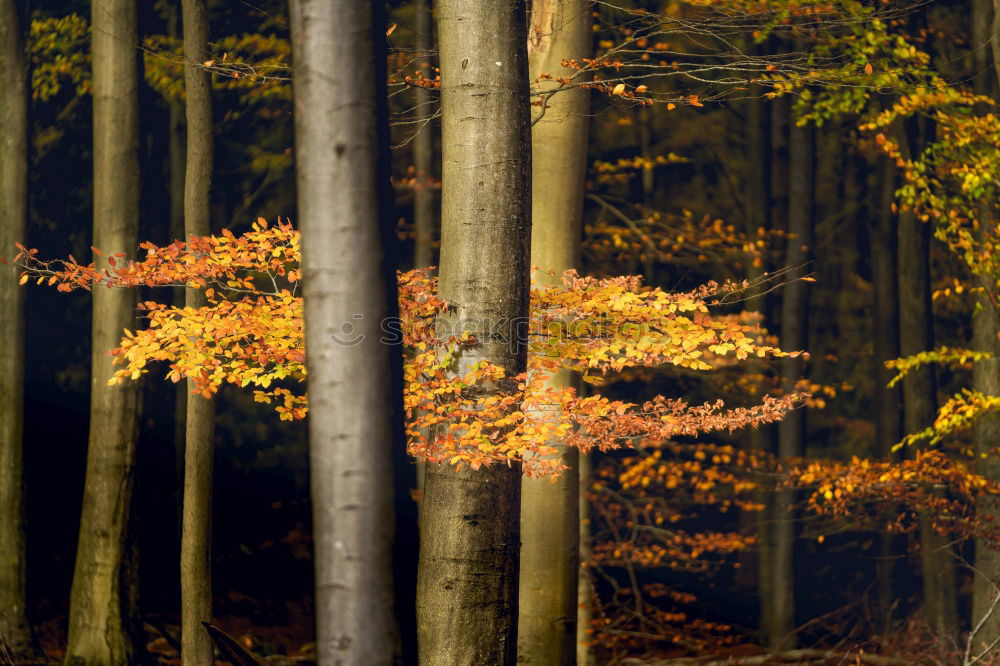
[(585, 653), (14, 629), (424, 219), (791, 429), (199, 432), (550, 520), (349, 280), (986, 374), (885, 342), (469, 523), (175, 178), (916, 327), (98, 604)]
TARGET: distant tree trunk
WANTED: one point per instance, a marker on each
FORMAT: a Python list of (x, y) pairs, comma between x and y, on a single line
[(99, 607), (469, 525), (986, 374), (550, 520), (343, 199), (14, 628), (885, 341), (585, 653), (196, 530), (175, 179), (916, 327), (424, 218), (762, 437), (794, 325)]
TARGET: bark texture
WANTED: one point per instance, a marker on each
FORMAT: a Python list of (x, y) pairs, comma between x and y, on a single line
[(469, 523), (550, 520), (199, 432), (791, 429), (14, 629), (99, 603), (341, 144)]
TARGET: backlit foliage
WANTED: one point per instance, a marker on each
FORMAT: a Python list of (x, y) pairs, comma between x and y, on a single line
[(250, 334)]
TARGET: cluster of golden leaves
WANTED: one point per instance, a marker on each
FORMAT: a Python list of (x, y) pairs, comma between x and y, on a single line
[(250, 334)]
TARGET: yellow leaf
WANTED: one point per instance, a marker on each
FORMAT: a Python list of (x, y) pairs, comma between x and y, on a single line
[(619, 89)]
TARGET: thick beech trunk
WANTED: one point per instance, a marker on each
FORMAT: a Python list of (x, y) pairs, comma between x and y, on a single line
[(14, 629), (99, 604), (986, 374), (791, 430), (916, 327), (550, 520), (469, 525), (196, 530), (341, 170)]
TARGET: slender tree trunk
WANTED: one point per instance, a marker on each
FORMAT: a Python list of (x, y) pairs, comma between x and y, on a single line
[(762, 438), (469, 525), (424, 217), (98, 604), (585, 654), (349, 280), (885, 341), (986, 374), (916, 327), (196, 530), (794, 325), (14, 629), (550, 519), (175, 163)]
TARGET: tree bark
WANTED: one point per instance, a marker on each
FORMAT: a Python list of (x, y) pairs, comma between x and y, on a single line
[(15, 631), (343, 199), (986, 374), (199, 432), (98, 614), (791, 429), (585, 653), (916, 327), (550, 519), (469, 524)]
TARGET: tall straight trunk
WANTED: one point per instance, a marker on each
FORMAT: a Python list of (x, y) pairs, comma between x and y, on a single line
[(986, 374), (585, 653), (762, 437), (469, 524), (341, 144), (199, 431), (550, 519), (916, 327), (14, 629), (885, 342), (424, 219), (175, 181), (794, 325), (98, 614)]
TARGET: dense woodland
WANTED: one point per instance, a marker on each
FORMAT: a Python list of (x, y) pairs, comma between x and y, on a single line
[(639, 332)]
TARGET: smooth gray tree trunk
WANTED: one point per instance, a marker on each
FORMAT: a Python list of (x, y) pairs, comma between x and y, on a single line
[(14, 629), (340, 142), (99, 603), (550, 518), (199, 432), (469, 523)]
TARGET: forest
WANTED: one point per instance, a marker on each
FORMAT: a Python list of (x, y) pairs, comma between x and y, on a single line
[(640, 332)]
